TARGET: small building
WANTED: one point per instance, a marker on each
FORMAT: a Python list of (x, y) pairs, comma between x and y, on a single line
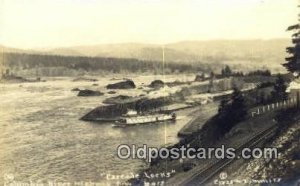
[(294, 90), (202, 77)]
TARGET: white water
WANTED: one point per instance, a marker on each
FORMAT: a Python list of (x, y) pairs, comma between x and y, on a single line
[(42, 138)]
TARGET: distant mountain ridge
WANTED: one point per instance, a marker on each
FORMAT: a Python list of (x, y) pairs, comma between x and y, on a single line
[(261, 52), (188, 51), (191, 50)]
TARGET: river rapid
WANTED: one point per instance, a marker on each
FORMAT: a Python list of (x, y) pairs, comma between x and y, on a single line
[(42, 138)]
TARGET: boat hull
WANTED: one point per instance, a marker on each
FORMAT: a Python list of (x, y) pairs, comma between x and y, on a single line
[(145, 120)]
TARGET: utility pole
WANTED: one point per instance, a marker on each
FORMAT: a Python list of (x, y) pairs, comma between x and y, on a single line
[(298, 99)]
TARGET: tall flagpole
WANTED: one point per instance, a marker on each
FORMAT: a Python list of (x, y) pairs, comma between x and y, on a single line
[(163, 60)]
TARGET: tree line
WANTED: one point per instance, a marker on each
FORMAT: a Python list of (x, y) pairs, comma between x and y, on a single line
[(115, 65), (227, 72)]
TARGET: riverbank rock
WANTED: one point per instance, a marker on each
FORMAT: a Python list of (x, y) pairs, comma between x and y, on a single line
[(117, 99), (296, 150), (87, 92), (293, 169), (128, 84), (200, 77), (157, 84), (177, 83), (111, 92), (75, 89), (18, 79), (85, 79)]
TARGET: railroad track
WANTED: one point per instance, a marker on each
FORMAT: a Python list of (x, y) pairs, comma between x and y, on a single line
[(200, 176)]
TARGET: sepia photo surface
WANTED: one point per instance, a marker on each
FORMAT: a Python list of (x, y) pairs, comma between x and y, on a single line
[(149, 92)]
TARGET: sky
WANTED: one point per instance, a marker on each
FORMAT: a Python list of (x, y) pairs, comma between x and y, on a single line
[(62, 23)]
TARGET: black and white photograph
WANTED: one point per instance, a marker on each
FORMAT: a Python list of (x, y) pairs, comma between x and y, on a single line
[(149, 92)]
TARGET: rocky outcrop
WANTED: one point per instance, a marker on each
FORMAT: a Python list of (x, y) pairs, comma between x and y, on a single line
[(200, 77), (157, 84), (111, 92), (118, 99), (85, 79), (114, 111), (18, 79), (87, 92), (75, 89), (295, 168), (128, 84)]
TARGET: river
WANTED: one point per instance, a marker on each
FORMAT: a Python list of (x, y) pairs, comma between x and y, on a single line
[(42, 138)]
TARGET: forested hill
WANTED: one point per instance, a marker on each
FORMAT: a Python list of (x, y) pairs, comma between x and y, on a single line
[(55, 65), (186, 56), (187, 51)]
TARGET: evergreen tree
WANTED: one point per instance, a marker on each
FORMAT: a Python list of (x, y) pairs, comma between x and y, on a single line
[(211, 82), (261, 98), (226, 72), (232, 111), (293, 61), (238, 105), (222, 107), (279, 93)]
